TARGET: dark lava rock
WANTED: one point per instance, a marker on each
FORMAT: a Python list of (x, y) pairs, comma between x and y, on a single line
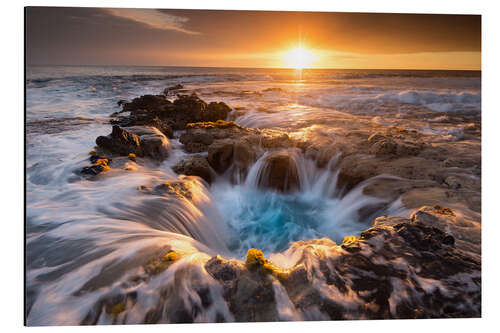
[(243, 155), (99, 164), (279, 172), (220, 155), (142, 141), (170, 90), (153, 103), (196, 140), (217, 111), (465, 233), (195, 165), (93, 170), (122, 102), (396, 269), (249, 294), (120, 141), (158, 111)]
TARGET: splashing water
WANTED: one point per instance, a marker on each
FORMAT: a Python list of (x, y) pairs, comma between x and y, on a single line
[(88, 240)]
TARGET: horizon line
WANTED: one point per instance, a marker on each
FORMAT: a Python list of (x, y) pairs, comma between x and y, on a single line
[(237, 67)]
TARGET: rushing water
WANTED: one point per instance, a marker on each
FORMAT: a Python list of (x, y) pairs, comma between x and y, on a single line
[(85, 238)]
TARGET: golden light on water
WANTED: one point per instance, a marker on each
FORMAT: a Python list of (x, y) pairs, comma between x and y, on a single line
[(298, 58)]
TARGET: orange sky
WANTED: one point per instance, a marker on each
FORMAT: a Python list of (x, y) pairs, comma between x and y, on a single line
[(97, 36)]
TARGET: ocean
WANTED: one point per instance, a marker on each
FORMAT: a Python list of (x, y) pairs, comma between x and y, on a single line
[(86, 238)]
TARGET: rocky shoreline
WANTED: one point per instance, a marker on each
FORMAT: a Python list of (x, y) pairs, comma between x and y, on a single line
[(425, 266)]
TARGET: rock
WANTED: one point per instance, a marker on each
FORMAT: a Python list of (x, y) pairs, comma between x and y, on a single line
[(376, 137), (279, 172), (217, 111), (280, 140), (248, 293), (196, 140), (417, 262), (158, 111), (460, 162), (93, 170), (392, 188), (425, 196), (422, 237), (169, 90), (356, 168), (195, 165), (243, 155), (153, 143), (220, 155), (198, 136), (122, 102), (120, 141), (325, 155), (151, 103), (388, 221), (143, 141), (179, 188), (383, 147), (408, 149), (222, 270), (188, 109), (100, 163), (465, 231)]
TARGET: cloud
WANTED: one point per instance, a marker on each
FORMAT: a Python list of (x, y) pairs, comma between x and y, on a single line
[(154, 18)]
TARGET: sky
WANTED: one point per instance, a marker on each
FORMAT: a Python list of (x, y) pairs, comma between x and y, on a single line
[(162, 37)]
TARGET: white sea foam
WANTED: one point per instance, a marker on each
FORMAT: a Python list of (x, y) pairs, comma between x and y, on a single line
[(79, 230)]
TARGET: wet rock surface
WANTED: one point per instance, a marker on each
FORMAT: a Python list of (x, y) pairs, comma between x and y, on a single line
[(143, 141), (158, 110), (280, 173), (195, 165), (399, 268), (424, 266)]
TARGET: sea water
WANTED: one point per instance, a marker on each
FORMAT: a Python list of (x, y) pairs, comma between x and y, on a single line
[(85, 237)]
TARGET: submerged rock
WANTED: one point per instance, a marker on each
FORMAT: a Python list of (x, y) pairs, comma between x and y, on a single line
[(243, 155), (279, 172), (99, 164), (172, 89), (182, 188)]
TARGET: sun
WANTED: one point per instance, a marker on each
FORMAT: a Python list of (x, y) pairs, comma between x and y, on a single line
[(298, 58)]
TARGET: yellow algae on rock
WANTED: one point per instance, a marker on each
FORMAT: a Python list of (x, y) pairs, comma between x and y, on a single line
[(159, 264), (255, 257), (212, 124), (443, 210), (171, 256), (103, 162), (118, 308), (349, 240), (92, 152)]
